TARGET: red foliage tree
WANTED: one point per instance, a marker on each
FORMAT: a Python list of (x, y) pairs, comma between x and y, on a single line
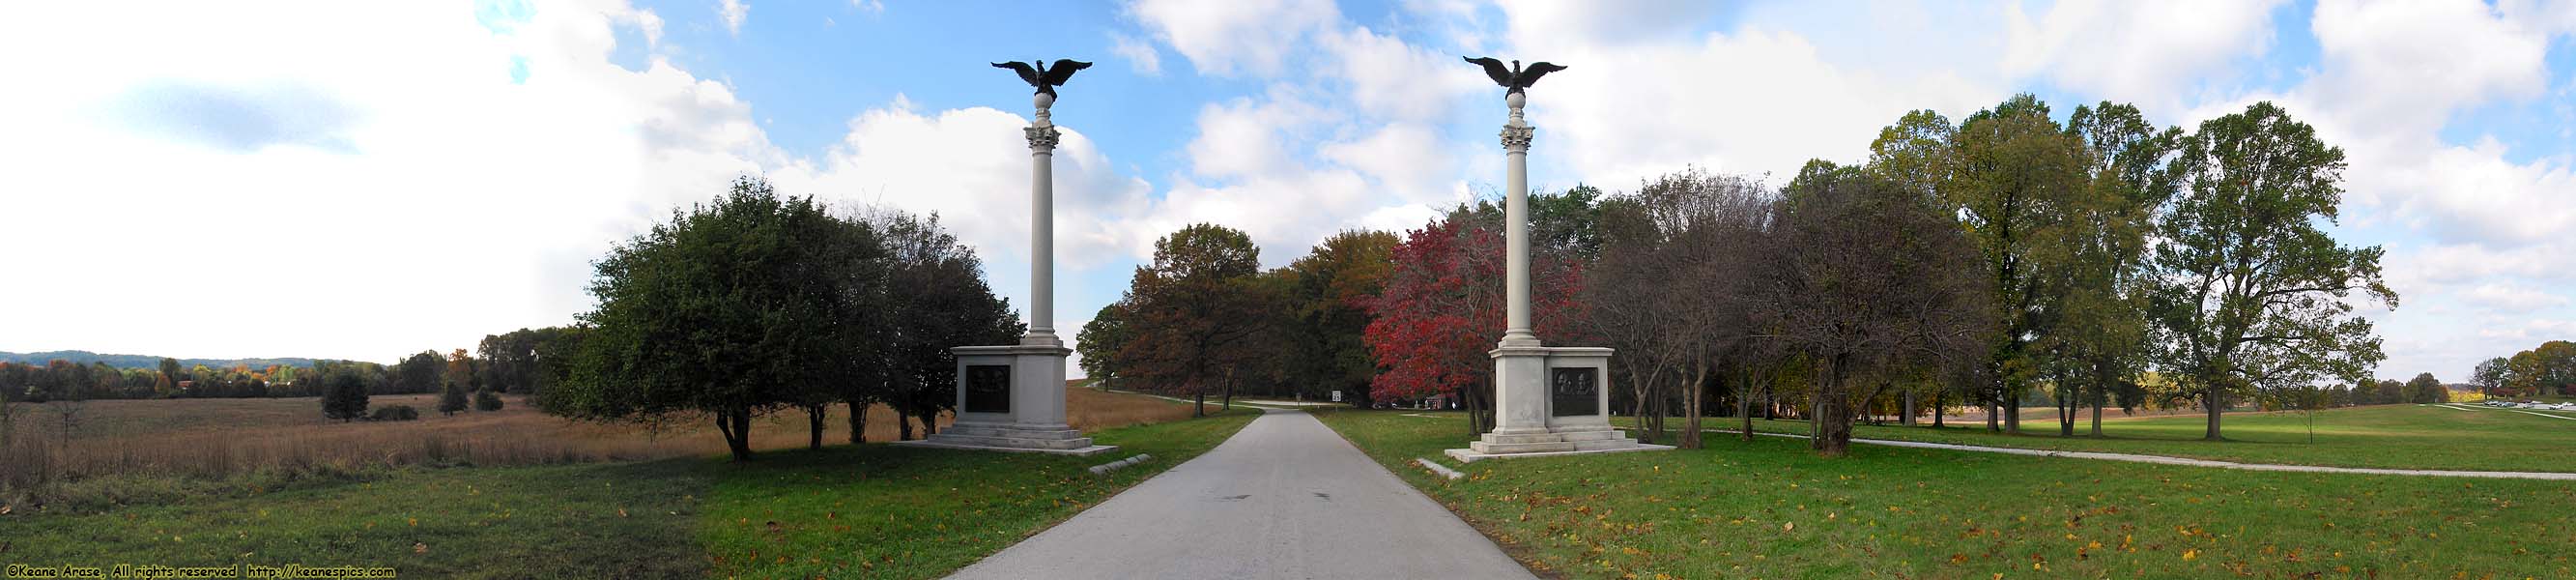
[(1443, 309)]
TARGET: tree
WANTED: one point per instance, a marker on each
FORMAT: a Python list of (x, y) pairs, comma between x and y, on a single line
[(2555, 367), (344, 398), (170, 370), (2248, 293), (418, 373), (2424, 389), (720, 312), (2389, 392), (2014, 176), (1196, 310), (1689, 230), (512, 362), (1101, 339), (2096, 306), (1443, 309), (1872, 278), (459, 369), (2491, 375), (943, 302), (451, 399), (1327, 295), (486, 400)]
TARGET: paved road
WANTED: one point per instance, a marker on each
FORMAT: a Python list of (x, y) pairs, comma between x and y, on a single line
[(1284, 498)]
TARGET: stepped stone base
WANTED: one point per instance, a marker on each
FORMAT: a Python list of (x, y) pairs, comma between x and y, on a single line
[(1051, 439), (1558, 441)]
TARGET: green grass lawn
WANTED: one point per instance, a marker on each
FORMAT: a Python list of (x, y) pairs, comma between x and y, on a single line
[(879, 511), (2386, 436), (1772, 509), (875, 510)]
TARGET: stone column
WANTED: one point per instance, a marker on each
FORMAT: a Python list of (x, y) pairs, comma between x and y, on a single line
[(1517, 135), (1547, 400), (1042, 139), (1520, 362), (1011, 397)]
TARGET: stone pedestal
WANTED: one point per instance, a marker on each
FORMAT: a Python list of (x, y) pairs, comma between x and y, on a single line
[(1011, 398), (1550, 401)]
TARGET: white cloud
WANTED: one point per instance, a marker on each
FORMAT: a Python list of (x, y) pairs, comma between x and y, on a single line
[(2476, 243), (734, 12), (2511, 297), (1390, 78), (451, 201), (1750, 102), (1139, 54), (2151, 52), (972, 167), (1605, 23), (2405, 67), (1235, 37), (1248, 138)]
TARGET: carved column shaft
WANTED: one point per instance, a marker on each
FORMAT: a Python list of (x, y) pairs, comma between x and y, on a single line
[(1517, 135), (1042, 138)]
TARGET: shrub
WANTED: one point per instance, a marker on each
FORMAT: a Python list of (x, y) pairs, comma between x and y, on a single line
[(345, 399), (451, 400), (394, 413), (485, 400)]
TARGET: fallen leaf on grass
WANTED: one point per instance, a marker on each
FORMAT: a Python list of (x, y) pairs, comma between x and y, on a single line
[(419, 548)]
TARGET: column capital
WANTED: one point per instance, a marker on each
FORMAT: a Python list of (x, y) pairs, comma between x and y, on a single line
[(1516, 138), (1042, 138)]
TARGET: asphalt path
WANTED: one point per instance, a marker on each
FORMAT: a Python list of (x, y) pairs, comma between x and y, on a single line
[(1284, 498)]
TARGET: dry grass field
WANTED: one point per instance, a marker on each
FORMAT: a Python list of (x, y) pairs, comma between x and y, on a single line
[(125, 449)]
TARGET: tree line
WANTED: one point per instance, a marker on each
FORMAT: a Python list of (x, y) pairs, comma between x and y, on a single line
[(758, 302), (2549, 369), (2008, 258)]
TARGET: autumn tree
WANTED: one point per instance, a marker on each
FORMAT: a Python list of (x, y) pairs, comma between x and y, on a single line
[(1871, 278), (2549, 369), (1443, 309), (1197, 311), (2248, 293), (459, 369)]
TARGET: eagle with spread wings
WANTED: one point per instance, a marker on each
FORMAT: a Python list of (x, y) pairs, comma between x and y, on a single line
[(1514, 78), (1044, 76)]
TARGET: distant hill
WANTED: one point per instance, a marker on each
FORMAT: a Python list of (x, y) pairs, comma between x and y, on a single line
[(137, 361)]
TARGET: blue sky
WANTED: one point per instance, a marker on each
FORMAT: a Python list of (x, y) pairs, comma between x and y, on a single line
[(361, 180)]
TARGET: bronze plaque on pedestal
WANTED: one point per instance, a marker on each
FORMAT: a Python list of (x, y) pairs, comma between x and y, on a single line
[(1574, 391), (988, 389)]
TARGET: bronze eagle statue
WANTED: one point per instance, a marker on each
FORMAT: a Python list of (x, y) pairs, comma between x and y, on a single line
[(1043, 76), (1514, 78)]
